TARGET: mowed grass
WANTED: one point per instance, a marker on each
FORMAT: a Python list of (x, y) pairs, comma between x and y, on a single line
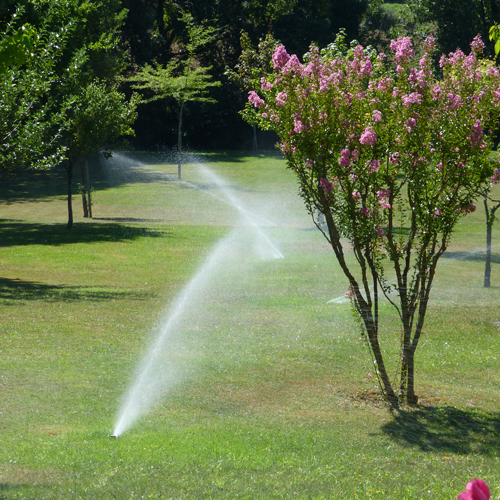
[(274, 397)]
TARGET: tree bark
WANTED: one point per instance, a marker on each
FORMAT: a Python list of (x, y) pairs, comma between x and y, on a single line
[(84, 168), (179, 143), (487, 268), (69, 170), (255, 143)]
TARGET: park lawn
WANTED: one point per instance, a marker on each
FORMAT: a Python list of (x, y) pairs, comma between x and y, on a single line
[(277, 396)]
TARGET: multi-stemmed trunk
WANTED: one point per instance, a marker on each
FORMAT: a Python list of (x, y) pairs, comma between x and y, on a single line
[(413, 284)]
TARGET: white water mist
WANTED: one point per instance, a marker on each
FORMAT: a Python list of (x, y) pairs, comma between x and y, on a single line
[(160, 370)]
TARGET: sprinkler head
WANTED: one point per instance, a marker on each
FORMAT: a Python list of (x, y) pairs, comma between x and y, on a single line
[(114, 436)]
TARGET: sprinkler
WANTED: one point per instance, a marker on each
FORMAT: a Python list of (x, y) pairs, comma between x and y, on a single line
[(114, 436)]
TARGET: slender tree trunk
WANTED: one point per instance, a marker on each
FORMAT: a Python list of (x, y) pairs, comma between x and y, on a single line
[(255, 143), (487, 268), (85, 187), (69, 170), (179, 142)]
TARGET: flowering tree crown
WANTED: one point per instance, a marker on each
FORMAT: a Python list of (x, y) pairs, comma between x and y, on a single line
[(392, 156)]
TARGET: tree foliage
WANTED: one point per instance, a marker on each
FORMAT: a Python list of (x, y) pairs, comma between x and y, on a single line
[(182, 79), (392, 158)]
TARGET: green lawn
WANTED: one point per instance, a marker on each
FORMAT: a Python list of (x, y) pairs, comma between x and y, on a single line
[(270, 394)]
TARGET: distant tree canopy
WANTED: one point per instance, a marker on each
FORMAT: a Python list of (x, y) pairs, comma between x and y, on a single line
[(118, 37)]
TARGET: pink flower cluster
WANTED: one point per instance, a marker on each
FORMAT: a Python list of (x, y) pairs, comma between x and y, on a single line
[(345, 159), (477, 134), (403, 49), (254, 98), (413, 98), (368, 137), (377, 115), (326, 185), (280, 57), (384, 195), (374, 166), (495, 178), (265, 85)]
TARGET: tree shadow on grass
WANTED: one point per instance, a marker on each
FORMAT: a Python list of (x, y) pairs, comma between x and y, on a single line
[(447, 429), (476, 255), (14, 289), (19, 233)]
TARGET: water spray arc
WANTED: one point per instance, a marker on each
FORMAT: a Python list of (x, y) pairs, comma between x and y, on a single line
[(154, 377)]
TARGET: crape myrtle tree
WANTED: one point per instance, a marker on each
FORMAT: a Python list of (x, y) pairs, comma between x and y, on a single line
[(393, 158)]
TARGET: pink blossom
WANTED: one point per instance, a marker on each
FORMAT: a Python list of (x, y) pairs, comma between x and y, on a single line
[(368, 137), (254, 98), (348, 293), (477, 134), (356, 195), (309, 163), (454, 101), (495, 177), (326, 185), (344, 160), (384, 195), (429, 43), (395, 158), (377, 115), (265, 85), (374, 166), (379, 231), (471, 208), (364, 211), (492, 72), (436, 92), (475, 490), (280, 57), (437, 213), (411, 122), (413, 98), (264, 115), (354, 155), (293, 65), (298, 126), (384, 84), (402, 47), (281, 98), (477, 45)]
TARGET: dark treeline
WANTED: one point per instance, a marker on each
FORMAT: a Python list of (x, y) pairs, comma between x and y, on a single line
[(152, 32)]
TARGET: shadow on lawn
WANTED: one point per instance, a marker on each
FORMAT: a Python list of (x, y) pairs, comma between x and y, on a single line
[(477, 255), (447, 429), (18, 233), (14, 289)]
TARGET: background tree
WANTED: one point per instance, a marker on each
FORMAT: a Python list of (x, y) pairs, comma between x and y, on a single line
[(490, 212), (458, 21), (30, 124), (100, 116), (251, 67), (182, 79)]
